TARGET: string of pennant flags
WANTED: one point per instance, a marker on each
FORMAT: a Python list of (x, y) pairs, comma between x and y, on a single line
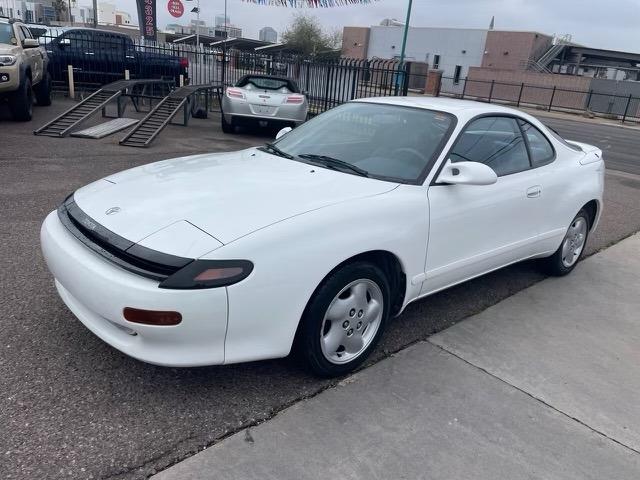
[(309, 3)]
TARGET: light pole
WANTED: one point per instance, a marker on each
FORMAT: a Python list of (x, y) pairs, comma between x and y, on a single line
[(196, 10), (400, 78), (406, 32)]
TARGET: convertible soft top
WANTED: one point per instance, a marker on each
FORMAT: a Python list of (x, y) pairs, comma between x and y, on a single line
[(290, 83)]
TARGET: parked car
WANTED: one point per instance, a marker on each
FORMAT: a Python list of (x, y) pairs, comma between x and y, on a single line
[(23, 70), (102, 56), (316, 240), (263, 100)]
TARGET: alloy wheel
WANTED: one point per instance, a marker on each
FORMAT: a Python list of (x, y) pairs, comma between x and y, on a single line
[(574, 241), (351, 322)]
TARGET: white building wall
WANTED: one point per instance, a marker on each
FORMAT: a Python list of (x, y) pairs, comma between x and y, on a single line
[(456, 46), (107, 13)]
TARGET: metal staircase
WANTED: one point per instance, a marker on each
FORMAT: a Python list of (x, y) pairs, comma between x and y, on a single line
[(541, 64), (150, 126), (64, 123)]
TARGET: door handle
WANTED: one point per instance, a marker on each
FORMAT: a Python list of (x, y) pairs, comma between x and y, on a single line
[(534, 192), (89, 53)]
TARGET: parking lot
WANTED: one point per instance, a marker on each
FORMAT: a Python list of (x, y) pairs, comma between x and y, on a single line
[(73, 407)]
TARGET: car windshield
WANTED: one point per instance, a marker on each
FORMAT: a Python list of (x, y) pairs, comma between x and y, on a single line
[(388, 142), (6, 33)]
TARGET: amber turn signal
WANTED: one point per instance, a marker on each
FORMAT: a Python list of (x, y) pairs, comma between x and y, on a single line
[(152, 317)]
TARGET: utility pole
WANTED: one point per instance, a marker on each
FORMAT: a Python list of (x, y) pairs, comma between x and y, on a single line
[(95, 14)]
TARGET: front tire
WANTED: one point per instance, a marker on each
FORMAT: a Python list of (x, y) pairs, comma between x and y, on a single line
[(21, 102), (344, 320), (564, 260), (43, 91)]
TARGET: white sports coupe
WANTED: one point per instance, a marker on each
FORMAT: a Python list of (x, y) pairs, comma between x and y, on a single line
[(314, 241)]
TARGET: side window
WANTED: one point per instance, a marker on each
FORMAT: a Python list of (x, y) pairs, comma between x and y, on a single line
[(541, 150), (20, 35), (26, 32), (494, 141)]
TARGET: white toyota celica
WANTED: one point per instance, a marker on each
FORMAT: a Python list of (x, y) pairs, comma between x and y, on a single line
[(315, 241)]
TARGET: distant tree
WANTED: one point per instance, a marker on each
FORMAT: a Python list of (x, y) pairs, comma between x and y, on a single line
[(306, 35), (60, 6)]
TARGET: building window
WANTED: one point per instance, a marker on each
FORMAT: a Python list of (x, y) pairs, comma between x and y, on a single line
[(456, 74), (436, 62)]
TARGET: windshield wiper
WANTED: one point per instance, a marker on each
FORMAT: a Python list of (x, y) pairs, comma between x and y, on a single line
[(271, 148), (334, 162)]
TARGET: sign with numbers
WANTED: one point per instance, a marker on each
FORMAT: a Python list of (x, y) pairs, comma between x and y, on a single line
[(147, 19)]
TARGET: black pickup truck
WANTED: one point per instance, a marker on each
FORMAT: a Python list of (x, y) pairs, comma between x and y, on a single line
[(102, 56)]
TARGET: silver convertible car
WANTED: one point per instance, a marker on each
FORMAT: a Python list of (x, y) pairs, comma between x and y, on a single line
[(263, 100)]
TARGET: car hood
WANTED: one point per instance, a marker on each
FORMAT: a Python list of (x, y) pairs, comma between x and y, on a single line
[(8, 49), (225, 195)]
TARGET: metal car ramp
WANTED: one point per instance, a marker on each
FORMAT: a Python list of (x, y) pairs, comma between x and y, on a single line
[(150, 126), (62, 125)]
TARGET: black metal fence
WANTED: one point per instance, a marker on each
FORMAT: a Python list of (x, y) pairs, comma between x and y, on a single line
[(550, 98), (97, 58)]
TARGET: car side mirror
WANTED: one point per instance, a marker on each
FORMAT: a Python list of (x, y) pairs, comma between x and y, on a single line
[(283, 132), (30, 43), (467, 173)]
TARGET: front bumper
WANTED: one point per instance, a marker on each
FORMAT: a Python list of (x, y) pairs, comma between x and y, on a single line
[(97, 291), (12, 81)]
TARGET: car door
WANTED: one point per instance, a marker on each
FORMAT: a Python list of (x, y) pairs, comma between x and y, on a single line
[(35, 55), (478, 228)]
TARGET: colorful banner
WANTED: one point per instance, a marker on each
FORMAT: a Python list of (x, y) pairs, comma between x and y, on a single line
[(147, 18), (309, 3)]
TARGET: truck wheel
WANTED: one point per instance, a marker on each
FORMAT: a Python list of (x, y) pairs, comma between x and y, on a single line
[(227, 127), (21, 102), (43, 91)]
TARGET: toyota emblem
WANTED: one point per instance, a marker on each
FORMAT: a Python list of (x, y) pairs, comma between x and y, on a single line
[(113, 210)]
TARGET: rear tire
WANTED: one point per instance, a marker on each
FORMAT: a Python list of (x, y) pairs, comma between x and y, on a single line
[(565, 259), (21, 102), (43, 91), (344, 320), (227, 127)]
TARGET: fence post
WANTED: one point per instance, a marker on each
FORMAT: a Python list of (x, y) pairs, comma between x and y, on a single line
[(589, 100), (464, 87), (326, 90), (520, 94), (493, 82), (406, 75), (626, 109), (72, 87), (553, 94), (354, 81)]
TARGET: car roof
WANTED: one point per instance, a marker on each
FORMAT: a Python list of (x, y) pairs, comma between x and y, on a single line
[(455, 106)]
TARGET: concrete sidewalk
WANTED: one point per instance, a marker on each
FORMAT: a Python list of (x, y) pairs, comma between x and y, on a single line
[(545, 384)]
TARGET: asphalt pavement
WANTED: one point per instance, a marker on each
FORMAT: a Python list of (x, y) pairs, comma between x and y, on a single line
[(73, 407)]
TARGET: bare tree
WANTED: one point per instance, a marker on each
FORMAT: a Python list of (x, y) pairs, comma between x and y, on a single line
[(306, 35)]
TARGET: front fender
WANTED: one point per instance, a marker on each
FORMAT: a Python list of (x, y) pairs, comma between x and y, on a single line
[(292, 258)]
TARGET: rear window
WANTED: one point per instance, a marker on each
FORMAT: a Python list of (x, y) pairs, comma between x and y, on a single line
[(268, 83), (6, 33)]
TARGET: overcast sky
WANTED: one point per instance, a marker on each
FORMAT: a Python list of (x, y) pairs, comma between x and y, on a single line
[(612, 24)]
